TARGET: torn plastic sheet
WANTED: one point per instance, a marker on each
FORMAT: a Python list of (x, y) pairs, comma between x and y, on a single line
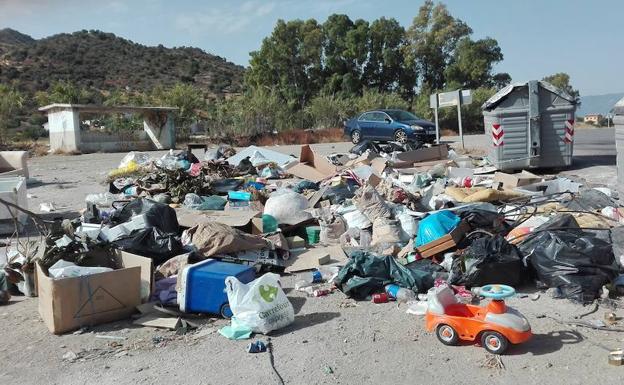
[(257, 152)]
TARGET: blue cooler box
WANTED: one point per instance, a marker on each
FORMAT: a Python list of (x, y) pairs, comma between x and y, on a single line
[(203, 286)]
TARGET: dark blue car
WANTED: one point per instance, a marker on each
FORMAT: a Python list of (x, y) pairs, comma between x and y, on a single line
[(390, 125)]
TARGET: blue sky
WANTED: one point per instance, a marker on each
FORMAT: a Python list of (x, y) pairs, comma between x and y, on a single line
[(537, 37)]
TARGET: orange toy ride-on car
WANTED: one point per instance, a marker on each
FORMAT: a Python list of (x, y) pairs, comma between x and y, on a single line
[(496, 325)]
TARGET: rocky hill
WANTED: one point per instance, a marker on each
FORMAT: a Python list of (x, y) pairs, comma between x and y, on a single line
[(107, 62)]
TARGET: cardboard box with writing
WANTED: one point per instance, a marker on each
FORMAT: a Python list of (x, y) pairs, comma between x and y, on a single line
[(67, 304)]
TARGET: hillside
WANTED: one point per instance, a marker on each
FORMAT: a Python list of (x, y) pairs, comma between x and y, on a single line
[(598, 104), (107, 62), (11, 38)]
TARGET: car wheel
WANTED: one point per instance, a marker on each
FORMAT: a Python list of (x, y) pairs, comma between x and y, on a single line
[(400, 136), (447, 335), (356, 136), (494, 342)]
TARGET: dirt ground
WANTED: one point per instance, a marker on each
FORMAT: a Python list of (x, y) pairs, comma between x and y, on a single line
[(333, 340)]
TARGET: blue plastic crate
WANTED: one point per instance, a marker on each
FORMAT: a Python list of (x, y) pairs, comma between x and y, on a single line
[(202, 286)]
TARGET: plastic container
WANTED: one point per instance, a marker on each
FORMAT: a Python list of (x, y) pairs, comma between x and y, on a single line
[(309, 278), (269, 224), (313, 233), (202, 286), (400, 294), (380, 298), (435, 226), (239, 195)]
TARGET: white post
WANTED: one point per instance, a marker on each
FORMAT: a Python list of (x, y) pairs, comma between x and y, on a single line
[(435, 112), (459, 119)]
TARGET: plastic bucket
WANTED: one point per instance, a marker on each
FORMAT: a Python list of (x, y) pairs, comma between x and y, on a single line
[(313, 233)]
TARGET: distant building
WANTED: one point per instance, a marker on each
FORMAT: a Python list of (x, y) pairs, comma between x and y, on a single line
[(593, 118)]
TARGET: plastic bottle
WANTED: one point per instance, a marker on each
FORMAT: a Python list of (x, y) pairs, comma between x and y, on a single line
[(310, 277), (401, 294)]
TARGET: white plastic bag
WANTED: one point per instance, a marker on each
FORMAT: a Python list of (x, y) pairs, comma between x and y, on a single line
[(287, 207), (261, 305)]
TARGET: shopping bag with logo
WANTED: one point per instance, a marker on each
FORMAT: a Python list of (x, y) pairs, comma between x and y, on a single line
[(261, 304)]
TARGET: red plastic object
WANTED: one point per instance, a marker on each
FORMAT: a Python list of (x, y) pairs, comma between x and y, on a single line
[(380, 298)]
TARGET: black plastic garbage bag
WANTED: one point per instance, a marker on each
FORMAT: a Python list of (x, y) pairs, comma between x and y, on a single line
[(576, 261), (488, 260), (482, 219), (341, 192), (367, 273), (222, 186), (364, 145), (156, 214), (305, 185), (152, 243)]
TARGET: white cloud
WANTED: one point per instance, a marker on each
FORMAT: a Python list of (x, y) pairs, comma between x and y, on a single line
[(224, 20)]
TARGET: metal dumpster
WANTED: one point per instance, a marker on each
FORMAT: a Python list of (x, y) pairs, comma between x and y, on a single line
[(618, 122), (530, 125)]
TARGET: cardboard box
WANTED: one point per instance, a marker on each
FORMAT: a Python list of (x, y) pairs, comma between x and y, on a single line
[(70, 303), (446, 242), (233, 218), (312, 166), (408, 158), (523, 178)]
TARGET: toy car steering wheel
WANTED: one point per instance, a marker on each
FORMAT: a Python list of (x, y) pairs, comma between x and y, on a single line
[(495, 291)]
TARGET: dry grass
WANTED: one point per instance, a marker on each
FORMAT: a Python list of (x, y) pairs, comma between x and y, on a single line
[(448, 132), (34, 148)]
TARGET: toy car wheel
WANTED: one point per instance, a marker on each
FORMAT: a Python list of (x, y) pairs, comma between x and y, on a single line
[(225, 311), (356, 136), (400, 136), (447, 335), (494, 342)]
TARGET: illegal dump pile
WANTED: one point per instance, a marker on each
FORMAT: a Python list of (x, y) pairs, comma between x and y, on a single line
[(176, 236)]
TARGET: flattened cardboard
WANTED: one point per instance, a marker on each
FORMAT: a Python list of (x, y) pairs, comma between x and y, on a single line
[(312, 166), (308, 260), (160, 322), (233, 218), (516, 180), (71, 303), (408, 158)]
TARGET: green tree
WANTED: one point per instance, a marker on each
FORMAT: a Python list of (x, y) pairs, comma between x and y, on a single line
[(10, 104), (561, 80), (431, 42), (385, 57), (187, 98), (64, 92), (289, 60), (472, 62)]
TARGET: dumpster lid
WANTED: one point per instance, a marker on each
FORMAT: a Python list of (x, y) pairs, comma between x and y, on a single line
[(618, 109), (503, 92)]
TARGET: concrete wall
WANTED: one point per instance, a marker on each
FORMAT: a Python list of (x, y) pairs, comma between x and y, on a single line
[(65, 135), (64, 128)]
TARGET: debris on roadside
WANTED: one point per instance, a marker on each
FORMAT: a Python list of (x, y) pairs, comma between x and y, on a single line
[(181, 239)]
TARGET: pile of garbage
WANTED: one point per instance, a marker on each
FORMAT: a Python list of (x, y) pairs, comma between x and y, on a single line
[(377, 224)]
